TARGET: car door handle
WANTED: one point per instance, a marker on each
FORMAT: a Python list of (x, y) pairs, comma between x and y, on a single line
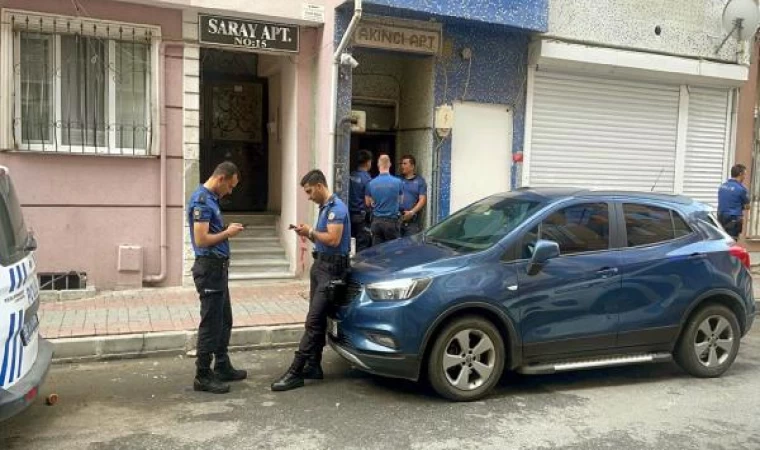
[(607, 272), (697, 256)]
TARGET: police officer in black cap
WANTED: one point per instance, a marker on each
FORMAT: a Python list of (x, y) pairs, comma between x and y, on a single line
[(210, 272), (332, 244)]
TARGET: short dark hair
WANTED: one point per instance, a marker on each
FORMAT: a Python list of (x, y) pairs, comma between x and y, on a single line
[(313, 178), (226, 169), (364, 156), (738, 170), (410, 158)]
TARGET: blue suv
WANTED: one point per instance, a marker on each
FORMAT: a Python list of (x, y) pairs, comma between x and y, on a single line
[(541, 281)]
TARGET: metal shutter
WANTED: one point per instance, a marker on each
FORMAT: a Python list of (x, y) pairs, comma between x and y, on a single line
[(603, 133), (706, 144)]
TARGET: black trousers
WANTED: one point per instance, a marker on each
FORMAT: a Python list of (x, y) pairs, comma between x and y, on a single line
[(410, 228), (315, 334), (360, 231), (384, 230), (732, 224), (211, 282)]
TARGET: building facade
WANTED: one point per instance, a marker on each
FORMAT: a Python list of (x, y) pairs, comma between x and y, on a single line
[(634, 95), (113, 112)]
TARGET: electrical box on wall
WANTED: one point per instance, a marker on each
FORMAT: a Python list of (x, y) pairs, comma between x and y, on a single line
[(359, 119), (444, 119)]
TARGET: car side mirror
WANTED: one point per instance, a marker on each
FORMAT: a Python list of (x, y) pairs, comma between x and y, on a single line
[(542, 253), (31, 243)]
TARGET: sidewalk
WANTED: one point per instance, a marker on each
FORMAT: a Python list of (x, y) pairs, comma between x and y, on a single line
[(122, 323), (149, 321)]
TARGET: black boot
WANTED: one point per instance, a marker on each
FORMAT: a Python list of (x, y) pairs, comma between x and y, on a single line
[(223, 370), (293, 378), (205, 381), (313, 368)]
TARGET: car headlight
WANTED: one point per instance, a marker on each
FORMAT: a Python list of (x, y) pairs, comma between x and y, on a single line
[(396, 290)]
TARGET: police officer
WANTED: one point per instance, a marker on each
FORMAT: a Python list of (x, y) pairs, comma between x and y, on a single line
[(357, 205), (733, 199), (384, 195), (332, 244), (212, 251), (413, 196)]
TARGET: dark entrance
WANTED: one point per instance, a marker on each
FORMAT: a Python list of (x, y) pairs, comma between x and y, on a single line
[(378, 144), (233, 127)]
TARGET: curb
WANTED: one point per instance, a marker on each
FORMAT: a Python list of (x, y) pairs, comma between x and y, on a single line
[(125, 346)]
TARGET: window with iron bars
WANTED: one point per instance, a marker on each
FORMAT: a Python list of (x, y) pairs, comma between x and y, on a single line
[(82, 86)]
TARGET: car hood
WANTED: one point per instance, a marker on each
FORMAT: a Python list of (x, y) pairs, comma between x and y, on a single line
[(403, 258)]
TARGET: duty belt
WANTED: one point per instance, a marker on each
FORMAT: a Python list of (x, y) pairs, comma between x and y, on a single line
[(332, 259)]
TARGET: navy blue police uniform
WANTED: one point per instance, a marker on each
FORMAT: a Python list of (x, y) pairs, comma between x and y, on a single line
[(412, 189), (385, 191), (732, 198), (330, 263), (358, 209), (210, 274)]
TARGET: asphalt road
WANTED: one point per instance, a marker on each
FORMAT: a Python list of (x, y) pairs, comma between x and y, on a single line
[(148, 404)]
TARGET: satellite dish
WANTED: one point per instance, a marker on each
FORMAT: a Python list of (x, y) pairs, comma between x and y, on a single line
[(741, 18)]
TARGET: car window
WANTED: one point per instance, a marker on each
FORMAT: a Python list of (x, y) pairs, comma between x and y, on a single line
[(13, 232), (577, 229), (646, 224), (482, 224)]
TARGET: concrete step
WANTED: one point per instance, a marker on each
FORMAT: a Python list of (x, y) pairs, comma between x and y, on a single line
[(269, 252), (252, 219), (246, 279), (260, 265), (259, 231)]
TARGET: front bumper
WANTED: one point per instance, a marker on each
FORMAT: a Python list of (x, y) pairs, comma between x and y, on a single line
[(14, 400), (394, 366)]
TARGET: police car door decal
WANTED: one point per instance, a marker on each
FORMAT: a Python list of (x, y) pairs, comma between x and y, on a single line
[(4, 368)]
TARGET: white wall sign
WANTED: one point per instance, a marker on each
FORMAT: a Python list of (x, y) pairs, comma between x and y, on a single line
[(314, 13)]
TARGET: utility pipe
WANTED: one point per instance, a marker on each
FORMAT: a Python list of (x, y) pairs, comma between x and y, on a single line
[(334, 88)]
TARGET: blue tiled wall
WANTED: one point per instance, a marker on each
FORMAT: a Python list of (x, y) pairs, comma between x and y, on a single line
[(529, 15), (498, 76)]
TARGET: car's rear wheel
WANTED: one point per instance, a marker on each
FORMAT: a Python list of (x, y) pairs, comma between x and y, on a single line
[(710, 342), (467, 359)]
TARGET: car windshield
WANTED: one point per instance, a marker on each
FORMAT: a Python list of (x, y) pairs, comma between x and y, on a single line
[(13, 234), (482, 224)]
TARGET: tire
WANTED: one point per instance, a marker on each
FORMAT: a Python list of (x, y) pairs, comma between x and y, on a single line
[(472, 376), (709, 343)]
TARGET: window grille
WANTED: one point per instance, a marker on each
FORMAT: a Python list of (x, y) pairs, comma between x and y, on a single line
[(82, 86)]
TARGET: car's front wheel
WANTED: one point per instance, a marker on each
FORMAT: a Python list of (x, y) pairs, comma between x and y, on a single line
[(709, 343), (467, 359)]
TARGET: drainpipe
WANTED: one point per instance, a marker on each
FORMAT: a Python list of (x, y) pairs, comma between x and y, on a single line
[(153, 279), (334, 88)]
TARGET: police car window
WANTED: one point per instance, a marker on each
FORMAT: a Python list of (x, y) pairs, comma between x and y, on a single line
[(481, 225), (12, 229), (579, 228), (646, 225)]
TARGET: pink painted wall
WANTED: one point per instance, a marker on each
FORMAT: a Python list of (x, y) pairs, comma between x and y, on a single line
[(83, 207)]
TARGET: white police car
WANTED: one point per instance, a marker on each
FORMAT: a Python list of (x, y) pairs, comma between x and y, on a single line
[(24, 356)]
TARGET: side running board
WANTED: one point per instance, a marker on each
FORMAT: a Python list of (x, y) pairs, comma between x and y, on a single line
[(563, 366)]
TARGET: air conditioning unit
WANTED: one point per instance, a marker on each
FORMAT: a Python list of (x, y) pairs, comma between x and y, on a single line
[(358, 121)]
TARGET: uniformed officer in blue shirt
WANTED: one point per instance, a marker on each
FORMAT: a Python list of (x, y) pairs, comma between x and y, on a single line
[(357, 205), (332, 244), (733, 199), (384, 195), (413, 196), (209, 238)]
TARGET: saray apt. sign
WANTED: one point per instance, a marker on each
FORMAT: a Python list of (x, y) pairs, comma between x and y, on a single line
[(248, 34)]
